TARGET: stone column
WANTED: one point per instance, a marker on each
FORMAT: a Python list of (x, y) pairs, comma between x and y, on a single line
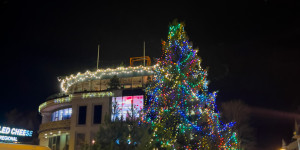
[(46, 117)]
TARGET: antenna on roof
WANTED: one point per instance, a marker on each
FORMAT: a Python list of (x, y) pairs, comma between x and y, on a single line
[(98, 56)]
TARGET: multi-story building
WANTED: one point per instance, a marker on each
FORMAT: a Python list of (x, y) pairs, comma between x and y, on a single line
[(73, 117)]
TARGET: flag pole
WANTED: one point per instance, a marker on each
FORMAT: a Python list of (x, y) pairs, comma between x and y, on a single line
[(144, 53), (98, 56)]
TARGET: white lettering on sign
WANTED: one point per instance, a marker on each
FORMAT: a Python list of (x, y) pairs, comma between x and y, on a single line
[(4, 130), (15, 131), (8, 138)]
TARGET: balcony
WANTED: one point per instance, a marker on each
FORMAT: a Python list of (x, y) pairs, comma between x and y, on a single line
[(56, 125)]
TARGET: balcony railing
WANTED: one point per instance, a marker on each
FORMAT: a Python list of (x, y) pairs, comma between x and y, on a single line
[(68, 99), (56, 125)]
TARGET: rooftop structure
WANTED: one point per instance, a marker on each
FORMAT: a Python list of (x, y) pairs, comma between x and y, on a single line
[(67, 83)]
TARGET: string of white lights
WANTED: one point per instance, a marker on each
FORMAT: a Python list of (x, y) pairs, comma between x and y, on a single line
[(67, 82)]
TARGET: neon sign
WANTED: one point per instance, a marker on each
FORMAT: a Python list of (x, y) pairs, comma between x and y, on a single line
[(11, 133), (8, 138)]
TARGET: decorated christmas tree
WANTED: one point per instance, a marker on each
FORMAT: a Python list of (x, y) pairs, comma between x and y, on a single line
[(181, 110)]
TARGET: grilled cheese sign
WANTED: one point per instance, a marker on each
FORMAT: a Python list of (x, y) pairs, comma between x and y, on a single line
[(10, 133)]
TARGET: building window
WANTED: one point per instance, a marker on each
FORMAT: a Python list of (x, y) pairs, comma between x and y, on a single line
[(62, 114), (126, 106), (97, 114), (54, 143), (80, 140), (67, 142), (82, 115)]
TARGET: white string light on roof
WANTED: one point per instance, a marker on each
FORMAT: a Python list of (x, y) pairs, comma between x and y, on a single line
[(68, 81)]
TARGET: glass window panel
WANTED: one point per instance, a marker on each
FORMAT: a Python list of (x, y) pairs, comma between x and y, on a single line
[(62, 114), (116, 108), (97, 114), (126, 105), (50, 142), (80, 139), (57, 142), (82, 114), (138, 104)]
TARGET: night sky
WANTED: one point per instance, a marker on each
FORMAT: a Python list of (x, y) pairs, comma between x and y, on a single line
[(250, 47)]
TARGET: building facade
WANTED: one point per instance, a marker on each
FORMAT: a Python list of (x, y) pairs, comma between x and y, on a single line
[(73, 117)]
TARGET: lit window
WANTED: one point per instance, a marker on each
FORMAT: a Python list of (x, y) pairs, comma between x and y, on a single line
[(127, 106), (61, 114)]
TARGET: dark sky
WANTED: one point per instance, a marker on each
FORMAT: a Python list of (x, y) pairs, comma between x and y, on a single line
[(251, 49)]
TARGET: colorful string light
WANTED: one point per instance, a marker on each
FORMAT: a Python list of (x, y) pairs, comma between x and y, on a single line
[(180, 109)]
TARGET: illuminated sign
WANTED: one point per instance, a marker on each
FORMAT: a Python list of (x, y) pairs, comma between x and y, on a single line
[(10, 133), (8, 138)]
